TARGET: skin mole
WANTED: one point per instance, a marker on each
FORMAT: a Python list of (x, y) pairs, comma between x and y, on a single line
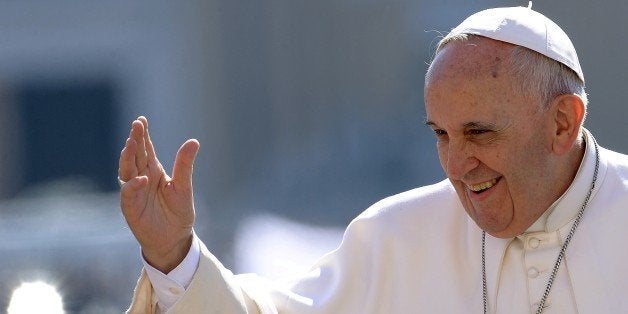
[(495, 67)]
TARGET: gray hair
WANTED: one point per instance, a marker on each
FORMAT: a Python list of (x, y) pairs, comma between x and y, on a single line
[(537, 75)]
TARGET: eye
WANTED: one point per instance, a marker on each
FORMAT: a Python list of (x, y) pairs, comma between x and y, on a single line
[(441, 135), (477, 131)]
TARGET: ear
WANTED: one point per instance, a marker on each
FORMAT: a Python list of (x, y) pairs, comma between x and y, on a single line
[(568, 116)]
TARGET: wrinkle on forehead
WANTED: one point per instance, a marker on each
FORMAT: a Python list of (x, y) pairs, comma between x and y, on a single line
[(474, 58), (472, 74)]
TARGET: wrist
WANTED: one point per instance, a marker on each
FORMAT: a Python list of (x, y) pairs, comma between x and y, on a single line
[(168, 260)]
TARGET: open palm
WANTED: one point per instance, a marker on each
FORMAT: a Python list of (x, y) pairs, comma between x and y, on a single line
[(159, 209)]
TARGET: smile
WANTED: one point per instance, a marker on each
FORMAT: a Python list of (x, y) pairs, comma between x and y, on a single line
[(481, 187)]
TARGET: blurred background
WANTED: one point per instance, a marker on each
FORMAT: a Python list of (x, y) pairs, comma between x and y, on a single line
[(307, 113)]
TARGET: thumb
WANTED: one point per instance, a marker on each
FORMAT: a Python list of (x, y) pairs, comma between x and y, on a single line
[(184, 164)]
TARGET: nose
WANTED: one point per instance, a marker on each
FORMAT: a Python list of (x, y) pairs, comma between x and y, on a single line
[(457, 159)]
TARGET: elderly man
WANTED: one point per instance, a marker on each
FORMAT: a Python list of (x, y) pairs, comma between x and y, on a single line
[(529, 219)]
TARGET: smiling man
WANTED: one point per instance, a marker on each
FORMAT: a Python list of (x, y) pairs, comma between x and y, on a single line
[(498, 142), (530, 218)]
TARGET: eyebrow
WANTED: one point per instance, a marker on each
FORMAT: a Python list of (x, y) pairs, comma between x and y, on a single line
[(479, 125), (468, 125), (428, 122)]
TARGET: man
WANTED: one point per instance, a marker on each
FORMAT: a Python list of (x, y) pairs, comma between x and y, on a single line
[(529, 219)]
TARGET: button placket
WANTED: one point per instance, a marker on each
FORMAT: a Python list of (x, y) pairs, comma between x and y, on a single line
[(540, 251), (534, 242), (535, 306), (533, 272)]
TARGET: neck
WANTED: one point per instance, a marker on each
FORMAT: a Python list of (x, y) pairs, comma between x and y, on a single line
[(571, 162), (565, 170)]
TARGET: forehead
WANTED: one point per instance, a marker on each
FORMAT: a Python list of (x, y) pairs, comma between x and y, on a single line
[(471, 59), (472, 56), (471, 80)]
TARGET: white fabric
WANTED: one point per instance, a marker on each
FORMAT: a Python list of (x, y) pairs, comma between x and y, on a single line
[(418, 252), (169, 288), (524, 27), (530, 257)]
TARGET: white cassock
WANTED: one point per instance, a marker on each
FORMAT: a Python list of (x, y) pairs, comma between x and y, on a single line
[(419, 252)]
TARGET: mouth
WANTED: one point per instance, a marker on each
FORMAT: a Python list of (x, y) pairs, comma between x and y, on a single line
[(483, 186)]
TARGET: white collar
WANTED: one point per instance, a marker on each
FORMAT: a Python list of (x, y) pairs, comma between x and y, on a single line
[(566, 207)]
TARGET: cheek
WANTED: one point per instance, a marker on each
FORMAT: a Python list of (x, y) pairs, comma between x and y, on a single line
[(525, 171)]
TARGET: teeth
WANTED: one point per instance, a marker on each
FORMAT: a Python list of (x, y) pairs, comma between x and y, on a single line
[(482, 186)]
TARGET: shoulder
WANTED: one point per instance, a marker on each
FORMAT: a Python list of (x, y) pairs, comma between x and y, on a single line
[(615, 166), (614, 158), (611, 194), (410, 222), (439, 194), (420, 207)]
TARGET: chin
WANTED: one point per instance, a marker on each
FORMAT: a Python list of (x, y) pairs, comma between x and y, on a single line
[(497, 228), (503, 234)]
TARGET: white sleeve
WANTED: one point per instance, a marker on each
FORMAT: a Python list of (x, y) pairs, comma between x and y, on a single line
[(169, 287)]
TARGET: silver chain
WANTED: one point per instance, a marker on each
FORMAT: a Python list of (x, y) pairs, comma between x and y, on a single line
[(561, 254), (484, 290)]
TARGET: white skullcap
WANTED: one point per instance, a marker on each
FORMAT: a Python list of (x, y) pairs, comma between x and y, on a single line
[(523, 27)]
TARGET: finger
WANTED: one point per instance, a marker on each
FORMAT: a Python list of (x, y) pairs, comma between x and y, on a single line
[(150, 149), (184, 164), (137, 134), (132, 194), (154, 166), (127, 168)]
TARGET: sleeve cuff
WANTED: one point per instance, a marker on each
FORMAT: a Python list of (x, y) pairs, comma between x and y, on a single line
[(169, 288)]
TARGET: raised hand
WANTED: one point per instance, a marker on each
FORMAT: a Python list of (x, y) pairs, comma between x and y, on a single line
[(159, 209)]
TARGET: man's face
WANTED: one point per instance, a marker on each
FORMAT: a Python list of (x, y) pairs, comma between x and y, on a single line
[(493, 143)]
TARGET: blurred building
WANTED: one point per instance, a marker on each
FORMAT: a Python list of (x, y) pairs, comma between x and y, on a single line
[(308, 110)]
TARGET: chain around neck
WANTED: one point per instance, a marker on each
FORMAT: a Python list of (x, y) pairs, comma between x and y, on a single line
[(563, 248)]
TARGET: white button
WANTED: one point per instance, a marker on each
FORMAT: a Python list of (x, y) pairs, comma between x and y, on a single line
[(534, 242), (174, 290), (533, 272)]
